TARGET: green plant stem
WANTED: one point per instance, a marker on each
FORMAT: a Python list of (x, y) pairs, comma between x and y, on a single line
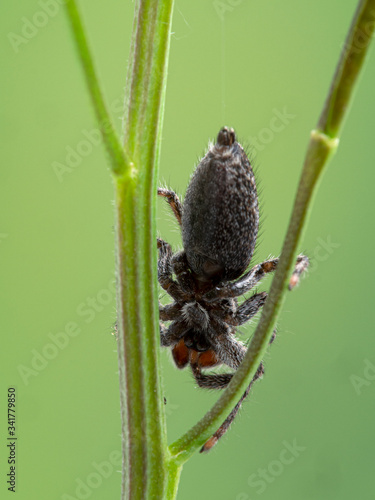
[(173, 478), (147, 471), (119, 161), (352, 58), (322, 145), (146, 468)]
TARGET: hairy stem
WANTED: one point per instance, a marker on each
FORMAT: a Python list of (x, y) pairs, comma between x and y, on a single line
[(322, 145), (146, 467), (147, 471), (174, 472), (119, 160)]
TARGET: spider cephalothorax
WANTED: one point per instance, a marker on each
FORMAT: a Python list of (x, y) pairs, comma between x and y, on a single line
[(219, 220)]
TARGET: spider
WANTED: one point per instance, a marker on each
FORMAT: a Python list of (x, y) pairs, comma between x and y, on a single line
[(219, 220)]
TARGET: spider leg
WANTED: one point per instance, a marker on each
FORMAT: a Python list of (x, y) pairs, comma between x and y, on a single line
[(181, 269), (227, 348), (249, 308), (214, 381), (252, 277), (173, 201), (219, 381), (301, 265), (243, 284), (165, 272), (170, 336), (246, 311), (210, 443), (169, 312)]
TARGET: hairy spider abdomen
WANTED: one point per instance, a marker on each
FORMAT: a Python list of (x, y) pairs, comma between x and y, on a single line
[(220, 215)]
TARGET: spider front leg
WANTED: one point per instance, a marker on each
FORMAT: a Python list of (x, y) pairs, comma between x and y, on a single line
[(173, 201), (252, 277), (165, 272), (244, 312), (243, 284), (301, 265)]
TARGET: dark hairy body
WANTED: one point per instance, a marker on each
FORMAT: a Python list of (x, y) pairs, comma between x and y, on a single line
[(219, 220)]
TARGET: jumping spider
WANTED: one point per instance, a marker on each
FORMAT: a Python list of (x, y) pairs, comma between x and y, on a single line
[(219, 220)]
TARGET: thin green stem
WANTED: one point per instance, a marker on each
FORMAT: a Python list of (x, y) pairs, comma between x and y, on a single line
[(145, 451), (321, 146), (119, 161), (173, 478), (352, 58), (147, 470)]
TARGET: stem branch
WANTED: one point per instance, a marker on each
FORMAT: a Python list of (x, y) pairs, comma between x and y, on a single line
[(119, 160)]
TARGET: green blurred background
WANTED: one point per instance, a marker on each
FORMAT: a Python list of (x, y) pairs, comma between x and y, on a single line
[(237, 63)]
